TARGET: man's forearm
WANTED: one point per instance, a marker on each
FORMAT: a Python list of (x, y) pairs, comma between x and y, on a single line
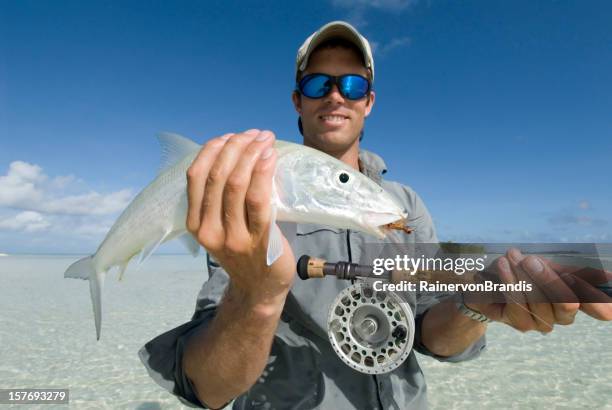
[(446, 332), (226, 358)]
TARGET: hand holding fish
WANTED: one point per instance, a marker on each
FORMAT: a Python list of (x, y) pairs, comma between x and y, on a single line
[(555, 299), (229, 186)]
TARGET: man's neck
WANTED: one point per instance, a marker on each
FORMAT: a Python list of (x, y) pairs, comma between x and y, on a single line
[(349, 156)]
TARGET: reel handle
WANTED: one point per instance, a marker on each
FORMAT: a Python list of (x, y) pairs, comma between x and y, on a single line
[(309, 267)]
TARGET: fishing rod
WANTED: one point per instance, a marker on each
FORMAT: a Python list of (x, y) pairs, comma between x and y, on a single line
[(309, 267), (372, 330)]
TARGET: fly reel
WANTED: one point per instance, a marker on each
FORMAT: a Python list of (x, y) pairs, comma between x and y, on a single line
[(371, 331)]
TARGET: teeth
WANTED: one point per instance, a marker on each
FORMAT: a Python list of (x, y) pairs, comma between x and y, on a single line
[(333, 118)]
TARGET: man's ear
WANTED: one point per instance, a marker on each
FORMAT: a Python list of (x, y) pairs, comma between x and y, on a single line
[(370, 103), (297, 102)]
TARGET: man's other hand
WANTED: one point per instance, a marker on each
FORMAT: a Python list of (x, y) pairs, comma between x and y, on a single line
[(553, 282)]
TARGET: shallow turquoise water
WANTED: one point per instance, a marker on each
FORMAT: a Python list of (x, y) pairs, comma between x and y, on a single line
[(569, 368), (47, 339)]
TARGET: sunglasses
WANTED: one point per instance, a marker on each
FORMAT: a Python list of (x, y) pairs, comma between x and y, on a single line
[(318, 85)]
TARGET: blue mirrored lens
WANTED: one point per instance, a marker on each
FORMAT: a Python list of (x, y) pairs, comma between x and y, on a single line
[(353, 87), (315, 86)]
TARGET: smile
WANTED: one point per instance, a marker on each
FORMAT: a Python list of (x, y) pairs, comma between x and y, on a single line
[(337, 119)]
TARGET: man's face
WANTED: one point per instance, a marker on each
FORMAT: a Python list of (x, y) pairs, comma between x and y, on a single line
[(333, 123)]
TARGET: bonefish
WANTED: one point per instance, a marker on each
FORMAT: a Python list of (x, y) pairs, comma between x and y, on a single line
[(309, 186)]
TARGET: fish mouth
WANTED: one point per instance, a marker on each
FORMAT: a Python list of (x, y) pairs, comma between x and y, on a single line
[(377, 222)]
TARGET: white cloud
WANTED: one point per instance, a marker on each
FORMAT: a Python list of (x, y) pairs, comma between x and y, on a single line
[(28, 172), (93, 229), (41, 212), (26, 187), (388, 5), (91, 203), (358, 10), (19, 184), (356, 17), (28, 221), (62, 182), (85, 226), (382, 49)]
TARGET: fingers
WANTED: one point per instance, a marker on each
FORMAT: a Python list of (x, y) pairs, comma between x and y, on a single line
[(541, 310), (550, 287), (600, 311), (227, 174), (235, 216), (212, 233), (196, 180), (516, 313), (592, 275), (206, 178), (569, 285), (260, 192)]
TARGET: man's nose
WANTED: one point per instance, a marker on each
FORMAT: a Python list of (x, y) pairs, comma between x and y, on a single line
[(334, 95)]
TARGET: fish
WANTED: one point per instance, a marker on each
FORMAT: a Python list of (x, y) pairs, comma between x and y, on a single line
[(309, 186)]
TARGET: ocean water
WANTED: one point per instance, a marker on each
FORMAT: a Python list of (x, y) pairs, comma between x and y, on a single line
[(47, 340)]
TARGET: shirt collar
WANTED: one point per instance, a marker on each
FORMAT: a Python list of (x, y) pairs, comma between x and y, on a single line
[(372, 165)]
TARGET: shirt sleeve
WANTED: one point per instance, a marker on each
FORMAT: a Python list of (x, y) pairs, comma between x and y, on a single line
[(421, 221), (472, 351), (163, 356)]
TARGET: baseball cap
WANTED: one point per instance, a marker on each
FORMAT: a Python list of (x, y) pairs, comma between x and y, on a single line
[(340, 29)]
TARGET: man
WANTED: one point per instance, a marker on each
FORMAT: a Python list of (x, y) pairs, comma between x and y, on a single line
[(257, 336)]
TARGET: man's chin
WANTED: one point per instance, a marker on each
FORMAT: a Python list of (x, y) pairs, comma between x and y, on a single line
[(331, 140)]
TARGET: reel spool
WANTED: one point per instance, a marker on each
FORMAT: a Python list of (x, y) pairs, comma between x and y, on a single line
[(371, 331)]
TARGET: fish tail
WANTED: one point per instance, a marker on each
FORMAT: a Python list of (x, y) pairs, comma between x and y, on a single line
[(84, 269)]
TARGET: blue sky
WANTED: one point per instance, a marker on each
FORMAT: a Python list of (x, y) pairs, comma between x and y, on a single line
[(497, 113)]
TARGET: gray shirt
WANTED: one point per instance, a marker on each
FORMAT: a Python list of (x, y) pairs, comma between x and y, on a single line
[(303, 371)]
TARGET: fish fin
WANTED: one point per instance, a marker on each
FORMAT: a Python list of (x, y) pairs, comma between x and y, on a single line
[(96, 283), (174, 148), (84, 269), (122, 267), (275, 240), (80, 269), (192, 245), (151, 247)]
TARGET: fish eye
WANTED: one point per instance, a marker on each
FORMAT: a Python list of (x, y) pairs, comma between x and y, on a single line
[(344, 177)]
